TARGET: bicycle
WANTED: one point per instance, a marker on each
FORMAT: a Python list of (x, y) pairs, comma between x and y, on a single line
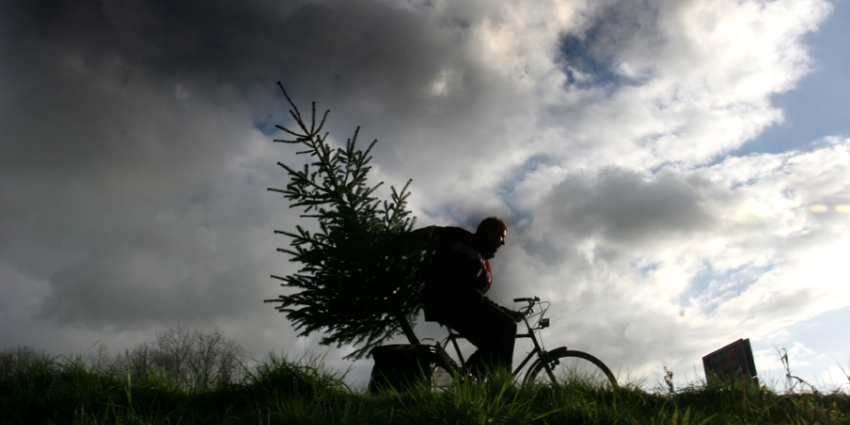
[(580, 364)]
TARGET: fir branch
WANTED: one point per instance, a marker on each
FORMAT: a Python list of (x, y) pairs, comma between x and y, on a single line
[(360, 271)]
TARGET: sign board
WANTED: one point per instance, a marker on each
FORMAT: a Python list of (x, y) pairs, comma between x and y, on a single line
[(735, 358)]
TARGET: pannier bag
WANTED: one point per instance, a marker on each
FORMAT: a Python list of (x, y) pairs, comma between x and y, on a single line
[(398, 366)]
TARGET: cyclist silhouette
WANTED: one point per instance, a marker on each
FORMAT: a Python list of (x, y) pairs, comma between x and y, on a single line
[(455, 284)]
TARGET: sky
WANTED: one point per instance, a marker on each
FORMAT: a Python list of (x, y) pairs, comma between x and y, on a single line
[(675, 174)]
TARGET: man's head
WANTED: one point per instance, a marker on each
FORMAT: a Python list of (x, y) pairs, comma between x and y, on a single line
[(491, 233)]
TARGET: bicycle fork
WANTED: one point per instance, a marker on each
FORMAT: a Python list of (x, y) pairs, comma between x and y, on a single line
[(548, 358)]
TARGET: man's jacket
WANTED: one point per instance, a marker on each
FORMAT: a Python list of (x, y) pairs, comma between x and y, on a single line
[(459, 273)]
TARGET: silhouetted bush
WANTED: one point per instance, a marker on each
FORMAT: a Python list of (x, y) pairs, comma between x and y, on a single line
[(192, 360), (20, 360)]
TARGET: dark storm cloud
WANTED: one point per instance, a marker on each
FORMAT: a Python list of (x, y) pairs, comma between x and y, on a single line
[(211, 40), (355, 51), (188, 258), (133, 289), (88, 74), (121, 124), (622, 206)]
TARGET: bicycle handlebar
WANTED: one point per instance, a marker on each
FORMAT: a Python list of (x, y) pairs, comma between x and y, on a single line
[(531, 300), (530, 307)]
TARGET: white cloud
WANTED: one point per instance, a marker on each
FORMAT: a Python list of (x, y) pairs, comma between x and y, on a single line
[(629, 250)]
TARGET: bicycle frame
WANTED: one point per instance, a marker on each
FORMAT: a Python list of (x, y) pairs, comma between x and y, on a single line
[(539, 351)]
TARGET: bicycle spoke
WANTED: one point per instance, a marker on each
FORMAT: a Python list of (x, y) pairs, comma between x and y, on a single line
[(573, 368)]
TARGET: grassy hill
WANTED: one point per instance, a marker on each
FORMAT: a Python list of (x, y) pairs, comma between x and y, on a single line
[(38, 389)]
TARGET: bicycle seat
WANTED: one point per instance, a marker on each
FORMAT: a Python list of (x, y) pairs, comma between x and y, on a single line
[(452, 332)]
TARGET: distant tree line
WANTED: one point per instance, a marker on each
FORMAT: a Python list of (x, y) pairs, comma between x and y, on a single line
[(193, 360)]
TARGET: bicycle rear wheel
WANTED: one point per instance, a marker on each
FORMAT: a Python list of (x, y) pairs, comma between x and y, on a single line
[(572, 366)]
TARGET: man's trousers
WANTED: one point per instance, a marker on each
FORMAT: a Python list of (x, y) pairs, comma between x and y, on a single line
[(487, 327)]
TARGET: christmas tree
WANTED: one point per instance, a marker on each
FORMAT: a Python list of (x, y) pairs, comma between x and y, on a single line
[(359, 277)]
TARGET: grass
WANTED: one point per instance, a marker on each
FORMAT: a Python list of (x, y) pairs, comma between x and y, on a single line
[(45, 390)]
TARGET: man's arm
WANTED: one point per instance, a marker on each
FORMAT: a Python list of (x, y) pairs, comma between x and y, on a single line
[(517, 316), (424, 233)]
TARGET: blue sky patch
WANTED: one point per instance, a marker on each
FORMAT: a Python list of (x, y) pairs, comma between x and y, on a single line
[(820, 103), (529, 166), (722, 286), (646, 269), (265, 127), (577, 56)]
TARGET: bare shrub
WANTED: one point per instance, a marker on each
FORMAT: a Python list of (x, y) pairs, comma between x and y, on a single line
[(21, 359), (215, 359), (194, 360), (103, 362)]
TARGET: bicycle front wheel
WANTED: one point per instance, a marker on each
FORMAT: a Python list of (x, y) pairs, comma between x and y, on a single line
[(572, 367)]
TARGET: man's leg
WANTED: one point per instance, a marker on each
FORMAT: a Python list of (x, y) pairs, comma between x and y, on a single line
[(491, 330)]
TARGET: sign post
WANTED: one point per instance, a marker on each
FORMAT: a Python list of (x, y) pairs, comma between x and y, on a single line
[(733, 359)]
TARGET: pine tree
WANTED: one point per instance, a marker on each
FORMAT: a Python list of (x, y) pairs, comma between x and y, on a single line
[(359, 277)]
